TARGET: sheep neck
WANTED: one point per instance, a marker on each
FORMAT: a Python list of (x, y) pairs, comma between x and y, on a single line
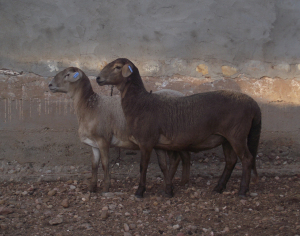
[(131, 93), (84, 98)]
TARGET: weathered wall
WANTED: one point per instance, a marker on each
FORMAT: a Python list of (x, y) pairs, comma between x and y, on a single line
[(256, 38)]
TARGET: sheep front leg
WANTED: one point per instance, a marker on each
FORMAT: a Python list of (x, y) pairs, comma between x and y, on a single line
[(104, 150), (145, 157), (95, 165)]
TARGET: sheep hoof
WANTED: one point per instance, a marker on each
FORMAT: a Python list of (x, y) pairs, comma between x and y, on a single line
[(93, 188), (242, 192), (184, 182), (218, 189), (169, 191), (140, 192), (105, 189)]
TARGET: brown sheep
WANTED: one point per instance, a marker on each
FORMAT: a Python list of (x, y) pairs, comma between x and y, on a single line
[(193, 123)]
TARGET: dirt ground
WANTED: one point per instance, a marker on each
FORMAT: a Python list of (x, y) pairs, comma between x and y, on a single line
[(65, 207)]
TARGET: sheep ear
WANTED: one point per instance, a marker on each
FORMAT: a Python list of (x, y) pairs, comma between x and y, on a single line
[(73, 77), (126, 70)]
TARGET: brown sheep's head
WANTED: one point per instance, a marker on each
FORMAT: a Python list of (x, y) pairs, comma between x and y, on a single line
[(117, 72)]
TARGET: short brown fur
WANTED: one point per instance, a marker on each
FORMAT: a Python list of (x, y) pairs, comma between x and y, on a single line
[(193, 123)]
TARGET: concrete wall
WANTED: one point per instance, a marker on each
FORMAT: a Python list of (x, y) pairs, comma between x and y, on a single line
[(256, 38)]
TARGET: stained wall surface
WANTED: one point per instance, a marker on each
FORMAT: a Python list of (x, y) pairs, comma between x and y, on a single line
[(196, 38)]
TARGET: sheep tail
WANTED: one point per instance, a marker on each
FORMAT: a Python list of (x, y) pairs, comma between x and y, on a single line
[(253, 141)]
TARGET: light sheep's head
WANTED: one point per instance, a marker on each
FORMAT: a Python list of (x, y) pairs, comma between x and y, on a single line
[(61, 81)]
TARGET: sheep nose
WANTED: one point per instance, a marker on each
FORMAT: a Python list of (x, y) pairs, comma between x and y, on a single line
[(98, 79), (50, 85)]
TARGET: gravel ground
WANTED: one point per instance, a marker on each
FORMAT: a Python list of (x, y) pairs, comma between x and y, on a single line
[(34, 205)]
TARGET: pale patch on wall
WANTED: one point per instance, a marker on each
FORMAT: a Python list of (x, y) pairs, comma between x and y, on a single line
[(52, 65)]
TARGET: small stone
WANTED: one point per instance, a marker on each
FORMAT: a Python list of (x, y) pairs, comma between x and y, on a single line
[(126, 227), (72, 187), (112, 206), (127, 214), (104, 215), (217, 209), (2, 201), (108, 194), (277, 178), (52, 192), (253, 194), (5, 211), (24, 193), (56, 221), (226, 229), (38, 207), (3, 226), (155, 203), (19, 225), (86, 226), (86, 197), (176, 226), (127, 234), (132, 226), (243, 201), (65, 203), (279, 208), (180, 234)]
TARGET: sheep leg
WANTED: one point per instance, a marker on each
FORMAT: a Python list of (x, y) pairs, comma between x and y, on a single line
[(174, 162), (230, 161), (247, 162), (145, 157), (162, 161), (95, 165), (186, 166), (104, 150)]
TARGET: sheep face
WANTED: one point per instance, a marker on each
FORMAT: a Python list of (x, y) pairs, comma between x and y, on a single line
[(116, 72), (61, 81)]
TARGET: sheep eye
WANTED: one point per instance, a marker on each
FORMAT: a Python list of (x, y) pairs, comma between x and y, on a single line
[(118, 67), (67, 75)]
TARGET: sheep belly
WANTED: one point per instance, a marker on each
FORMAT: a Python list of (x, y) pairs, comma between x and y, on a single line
[(192, 145), (122, 144), (89, 142)]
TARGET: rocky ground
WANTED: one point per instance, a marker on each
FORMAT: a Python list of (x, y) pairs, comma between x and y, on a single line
[(65, 207)]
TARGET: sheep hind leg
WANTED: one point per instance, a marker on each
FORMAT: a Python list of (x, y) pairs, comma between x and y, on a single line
[(247, 163), (186, 166), (95, 165), (162, 161), (230, 161), (246, 157), (174, 162)]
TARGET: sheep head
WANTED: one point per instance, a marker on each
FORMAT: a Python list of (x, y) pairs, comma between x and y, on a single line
[(61, 81), (116, 73)]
